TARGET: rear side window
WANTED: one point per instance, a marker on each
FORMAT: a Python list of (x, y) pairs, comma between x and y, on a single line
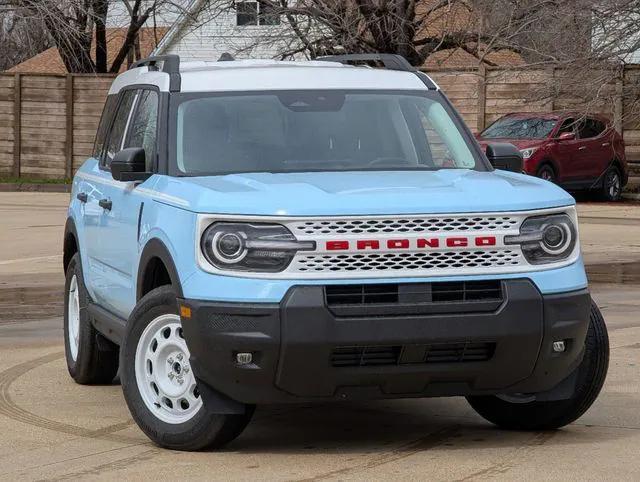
[(144, 126), (114, 144), (105, 122), (591, 128)]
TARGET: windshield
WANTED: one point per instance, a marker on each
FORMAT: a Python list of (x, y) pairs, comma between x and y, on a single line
[(520, 128), (293, 131)]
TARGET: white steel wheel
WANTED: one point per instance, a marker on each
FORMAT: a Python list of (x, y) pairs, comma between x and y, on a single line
[(164, 377), (73, 317)]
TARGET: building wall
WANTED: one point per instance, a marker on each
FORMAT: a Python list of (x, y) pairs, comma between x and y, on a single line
[(207, 38), (165, 16)]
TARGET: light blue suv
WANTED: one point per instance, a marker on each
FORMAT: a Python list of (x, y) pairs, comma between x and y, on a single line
[(258, 232)]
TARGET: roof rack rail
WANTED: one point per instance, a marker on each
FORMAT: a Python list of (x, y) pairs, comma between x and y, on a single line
[(390, 62), (170, 65)]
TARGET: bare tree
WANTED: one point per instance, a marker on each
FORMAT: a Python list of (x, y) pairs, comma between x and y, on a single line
[(21, 38), (72, 25), (581, 44)]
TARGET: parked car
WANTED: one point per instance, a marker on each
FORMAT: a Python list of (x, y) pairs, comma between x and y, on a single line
[(574, 151), (258, 232)]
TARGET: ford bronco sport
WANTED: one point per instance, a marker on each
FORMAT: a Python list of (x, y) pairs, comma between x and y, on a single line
[(258, 232)]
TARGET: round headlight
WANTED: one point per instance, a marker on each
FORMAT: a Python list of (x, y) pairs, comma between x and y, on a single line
[(555, 238), (229, 245), (259, 247), (546, 239)]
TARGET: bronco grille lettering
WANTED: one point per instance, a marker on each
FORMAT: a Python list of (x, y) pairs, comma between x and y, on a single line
[(406, 243)]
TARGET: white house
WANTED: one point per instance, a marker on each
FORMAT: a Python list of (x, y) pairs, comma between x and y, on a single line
[(198, 33)]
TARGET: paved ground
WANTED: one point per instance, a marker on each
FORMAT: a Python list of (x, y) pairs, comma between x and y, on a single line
[(54, 429)]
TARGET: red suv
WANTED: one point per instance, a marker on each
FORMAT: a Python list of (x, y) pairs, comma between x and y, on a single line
[(576, 151)]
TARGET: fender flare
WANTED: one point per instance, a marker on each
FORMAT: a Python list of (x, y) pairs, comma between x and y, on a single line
[(155, 248), (69, 229), (548, 161)]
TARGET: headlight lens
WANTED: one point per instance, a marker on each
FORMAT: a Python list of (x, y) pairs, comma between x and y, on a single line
[(527, 153), (250, 247), (546, 239)]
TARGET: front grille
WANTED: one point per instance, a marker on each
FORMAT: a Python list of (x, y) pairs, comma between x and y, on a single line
[(399, 355), (372, 294), (410, 261), (405, 225)]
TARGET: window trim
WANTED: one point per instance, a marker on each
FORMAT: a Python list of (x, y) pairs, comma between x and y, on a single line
[(134, 109), (134, 112), (116, 98), (101, 161)]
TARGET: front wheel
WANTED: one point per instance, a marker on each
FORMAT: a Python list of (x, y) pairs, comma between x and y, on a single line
[(524, 413), (547, 173), (159, 385)]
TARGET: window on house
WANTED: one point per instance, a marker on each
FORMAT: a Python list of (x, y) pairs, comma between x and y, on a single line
[(256, 13), (268, 15), (246, 13)]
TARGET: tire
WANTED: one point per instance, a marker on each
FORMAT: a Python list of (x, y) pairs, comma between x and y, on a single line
[(547, 173), (91, 358), (514, 415), (611, 189), (158, 383)]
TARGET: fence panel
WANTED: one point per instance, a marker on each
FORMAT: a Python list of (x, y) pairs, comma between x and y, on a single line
[(48, 122)]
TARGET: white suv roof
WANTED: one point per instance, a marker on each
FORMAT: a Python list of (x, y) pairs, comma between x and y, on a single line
[(258, 75)]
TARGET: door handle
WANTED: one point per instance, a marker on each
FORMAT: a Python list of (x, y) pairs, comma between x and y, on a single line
[(82, 197), (582, 148), (605, 144), (105, 204)]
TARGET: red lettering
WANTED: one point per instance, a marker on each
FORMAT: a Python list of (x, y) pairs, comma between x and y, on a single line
[(398, 244), (486, 241), (368, 243), (337, 245), (456, 242), (430, 243)]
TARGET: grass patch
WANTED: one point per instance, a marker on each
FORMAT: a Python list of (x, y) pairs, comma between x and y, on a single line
[(32, 180)]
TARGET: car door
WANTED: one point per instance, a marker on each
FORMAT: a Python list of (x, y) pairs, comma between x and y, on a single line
[(105, 271), (127, 205), (599, 150), (570, 154)]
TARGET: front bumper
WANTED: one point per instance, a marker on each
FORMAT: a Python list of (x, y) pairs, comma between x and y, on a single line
[(306, 348)]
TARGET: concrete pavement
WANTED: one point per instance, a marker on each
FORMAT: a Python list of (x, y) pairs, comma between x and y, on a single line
[(53, 429)]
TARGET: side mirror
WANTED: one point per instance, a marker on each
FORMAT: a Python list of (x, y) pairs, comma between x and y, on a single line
[(567, 136), (130, 165), (505, 156)]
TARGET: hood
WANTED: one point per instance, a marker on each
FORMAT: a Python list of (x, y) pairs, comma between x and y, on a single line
[(360, 193), (519, 143)]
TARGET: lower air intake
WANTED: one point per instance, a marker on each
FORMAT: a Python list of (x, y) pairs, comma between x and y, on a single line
[(362, 356)]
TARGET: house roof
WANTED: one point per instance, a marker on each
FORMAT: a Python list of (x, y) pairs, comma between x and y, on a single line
[(50, 62)]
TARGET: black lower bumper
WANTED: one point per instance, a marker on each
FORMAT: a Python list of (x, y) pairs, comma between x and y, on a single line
[(307, 348)]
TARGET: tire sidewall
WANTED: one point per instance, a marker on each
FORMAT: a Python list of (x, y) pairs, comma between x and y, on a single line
[(605, 185), (547, 168), (86, 336), (159, 302)]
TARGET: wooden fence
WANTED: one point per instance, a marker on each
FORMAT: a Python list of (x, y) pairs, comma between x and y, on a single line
[(47, 122)]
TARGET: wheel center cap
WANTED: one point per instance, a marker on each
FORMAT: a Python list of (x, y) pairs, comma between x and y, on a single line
[(177, 368)]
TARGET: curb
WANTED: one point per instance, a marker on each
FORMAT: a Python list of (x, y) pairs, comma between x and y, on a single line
[(26, 187), (631, 196)]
